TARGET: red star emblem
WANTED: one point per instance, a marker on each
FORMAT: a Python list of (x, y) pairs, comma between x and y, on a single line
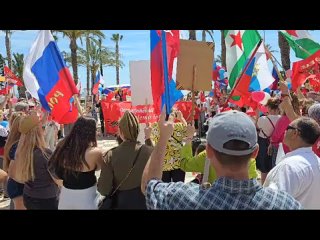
[(292, 32), (237, 40)]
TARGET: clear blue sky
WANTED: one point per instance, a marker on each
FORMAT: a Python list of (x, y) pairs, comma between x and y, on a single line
[(135, 45)]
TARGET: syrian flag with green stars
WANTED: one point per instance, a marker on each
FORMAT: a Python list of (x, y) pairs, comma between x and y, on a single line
[(239, 46), (301, 38)]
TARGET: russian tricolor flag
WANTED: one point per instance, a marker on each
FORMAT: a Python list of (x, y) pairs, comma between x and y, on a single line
[(98, 80), (164, 51), (48, 79), (261, 77), (274, 85)]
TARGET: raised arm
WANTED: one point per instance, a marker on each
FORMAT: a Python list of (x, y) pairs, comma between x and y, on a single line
[(153, 168), (3, 104), (286, 102), (181, 118), (147, 135)]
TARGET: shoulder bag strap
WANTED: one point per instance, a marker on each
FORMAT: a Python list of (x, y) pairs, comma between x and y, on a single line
[(271, 122), (177, 140), (128, 174), (272, 126)]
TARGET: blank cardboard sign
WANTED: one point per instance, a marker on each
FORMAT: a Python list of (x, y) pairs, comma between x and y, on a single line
[(195, 53)]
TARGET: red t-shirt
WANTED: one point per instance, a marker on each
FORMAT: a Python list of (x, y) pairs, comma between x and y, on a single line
[(278, 133), (316, 147), (196, 113)]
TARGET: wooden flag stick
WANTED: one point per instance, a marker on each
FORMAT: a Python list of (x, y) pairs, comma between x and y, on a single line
[(242, 73), (274, 58), (77, 102), (147, 114), (192, 93), (301, 48), (274, 64), (275, 67)]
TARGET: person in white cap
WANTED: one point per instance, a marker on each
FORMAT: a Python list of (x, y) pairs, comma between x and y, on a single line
[(231, 142)]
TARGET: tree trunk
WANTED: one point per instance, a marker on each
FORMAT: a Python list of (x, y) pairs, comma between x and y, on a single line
[(192, 35), (88, 79), (284, 51), (117, 63), (101, 67), (8, 48), (203, 35), (88, 66), (223, 50), (92, 79), (73, 47)]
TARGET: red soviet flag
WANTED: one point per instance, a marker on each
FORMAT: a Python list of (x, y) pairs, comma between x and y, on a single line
[(307, 68)]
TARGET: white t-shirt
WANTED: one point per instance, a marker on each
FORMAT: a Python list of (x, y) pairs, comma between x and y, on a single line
[(266, 126), (207, 104), (299, 175), (3, 131)]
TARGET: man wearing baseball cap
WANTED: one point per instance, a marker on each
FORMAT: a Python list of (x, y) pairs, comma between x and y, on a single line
[(231, 142)]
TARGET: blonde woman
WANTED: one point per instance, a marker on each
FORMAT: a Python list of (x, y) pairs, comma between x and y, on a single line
[(14, 189), (15, 134), (31, 166)]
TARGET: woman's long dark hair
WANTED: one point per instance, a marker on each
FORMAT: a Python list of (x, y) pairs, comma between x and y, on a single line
[(70, 152)]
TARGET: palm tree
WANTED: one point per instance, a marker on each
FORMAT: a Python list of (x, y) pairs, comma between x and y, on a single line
[(90, 37), (192, 35), (97, 56), (218, 59), (210, 32), (74, 35), (67, 58), (8, 46), (18, 62), (2, 63), (204, 34), (284, 51), (117, 38), (223, 50), (269, 48)]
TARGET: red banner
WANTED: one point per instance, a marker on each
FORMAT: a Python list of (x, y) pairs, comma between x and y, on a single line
[(185, 108), (113, 111), (304, 69)]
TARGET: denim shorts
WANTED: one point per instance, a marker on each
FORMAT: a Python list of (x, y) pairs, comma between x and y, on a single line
[(14, 189)]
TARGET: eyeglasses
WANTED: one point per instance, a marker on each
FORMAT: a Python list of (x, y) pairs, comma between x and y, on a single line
[(290, 127)]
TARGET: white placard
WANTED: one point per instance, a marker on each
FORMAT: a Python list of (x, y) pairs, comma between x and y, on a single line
[(140, 77)]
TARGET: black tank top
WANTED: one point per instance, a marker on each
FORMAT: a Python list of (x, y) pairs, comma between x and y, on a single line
[(77, 180)]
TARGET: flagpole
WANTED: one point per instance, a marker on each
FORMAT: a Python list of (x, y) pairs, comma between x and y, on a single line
[(274, 58), (165, 71), (243, 71), (301, 48), (76, 99), (274, 64), (192, 93), (147, 114)]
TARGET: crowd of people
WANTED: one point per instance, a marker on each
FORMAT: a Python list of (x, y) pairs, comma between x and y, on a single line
[(46, 167)]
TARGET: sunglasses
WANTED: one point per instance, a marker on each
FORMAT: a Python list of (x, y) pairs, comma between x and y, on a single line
[(290, 127)]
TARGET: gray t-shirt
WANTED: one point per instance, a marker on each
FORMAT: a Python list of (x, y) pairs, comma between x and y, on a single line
[(43, 186)]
